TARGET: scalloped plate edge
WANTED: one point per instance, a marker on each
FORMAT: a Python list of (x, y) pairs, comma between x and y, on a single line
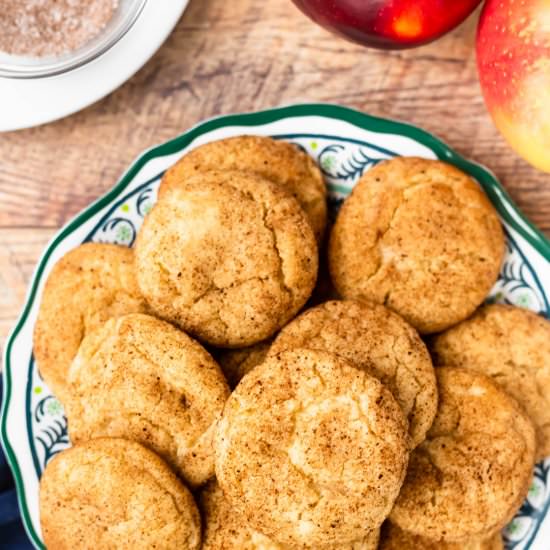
[(498, 195)]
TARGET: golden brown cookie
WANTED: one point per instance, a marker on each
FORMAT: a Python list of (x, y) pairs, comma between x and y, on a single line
[(311, 450), (228, 256), (470, 476), (224, 529), (379, 342), (420, 237), (512, 346), (235, 363), (86, 287), (278, 161), (142, 379), (113, 493), (393, 538)]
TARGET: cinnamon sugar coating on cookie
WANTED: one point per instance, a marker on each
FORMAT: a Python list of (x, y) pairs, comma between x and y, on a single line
[(420, 237), (225, 529), (378, 341), (230, 257), (86, 287), (142, 379), (470, 476), (281, 162), (512, 346), (113, 493), (393, 538), (311, 450)]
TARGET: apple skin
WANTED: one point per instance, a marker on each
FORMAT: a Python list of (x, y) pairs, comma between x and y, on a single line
[(513, 58), (389, 24)]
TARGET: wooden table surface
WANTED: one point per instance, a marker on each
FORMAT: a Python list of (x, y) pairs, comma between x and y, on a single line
[(235, 56)]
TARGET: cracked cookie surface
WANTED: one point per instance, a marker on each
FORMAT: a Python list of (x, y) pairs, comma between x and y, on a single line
[(420, 237), (378, 341), (224, 529), (393, 538), (142, 379), (230, 257), (470, 476), (87, 286), (100, 495), (278, 161), (512, 346), (311, 450)]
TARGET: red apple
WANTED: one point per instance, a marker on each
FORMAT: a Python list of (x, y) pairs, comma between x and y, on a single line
[(389, 24), (513, 56)]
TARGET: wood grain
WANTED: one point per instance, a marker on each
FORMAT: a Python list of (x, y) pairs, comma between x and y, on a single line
[(239, 56), (19, 253)]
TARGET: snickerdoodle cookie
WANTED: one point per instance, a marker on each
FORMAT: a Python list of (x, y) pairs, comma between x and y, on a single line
[(393, 538), (228, 256), (235, 363), (86, 287), (420, 237), (224, 529), (278, 161), (113, 493), (378, 341), (473, 471), (142, 379), (512, 345), (311, 450)]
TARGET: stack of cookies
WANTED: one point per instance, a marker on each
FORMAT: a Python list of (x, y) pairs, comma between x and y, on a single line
[(212, 405)]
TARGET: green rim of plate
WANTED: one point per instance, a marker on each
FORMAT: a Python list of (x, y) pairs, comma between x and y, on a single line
[(490, 184)]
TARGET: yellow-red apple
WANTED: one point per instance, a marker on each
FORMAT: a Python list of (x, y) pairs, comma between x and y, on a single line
[(513, 56)]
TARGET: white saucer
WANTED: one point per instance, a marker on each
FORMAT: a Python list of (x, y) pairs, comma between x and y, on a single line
[(26, 103)]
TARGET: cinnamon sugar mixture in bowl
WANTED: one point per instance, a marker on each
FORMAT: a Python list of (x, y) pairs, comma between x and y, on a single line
[(41, 38), (50, 27)]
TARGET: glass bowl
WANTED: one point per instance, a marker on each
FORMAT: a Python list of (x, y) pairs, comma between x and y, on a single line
[(17, 66)]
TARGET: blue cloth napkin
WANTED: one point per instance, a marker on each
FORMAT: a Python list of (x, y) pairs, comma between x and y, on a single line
[(12, 534)]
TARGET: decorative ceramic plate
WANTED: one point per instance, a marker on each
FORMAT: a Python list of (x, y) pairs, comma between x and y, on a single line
[(345, 143)]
